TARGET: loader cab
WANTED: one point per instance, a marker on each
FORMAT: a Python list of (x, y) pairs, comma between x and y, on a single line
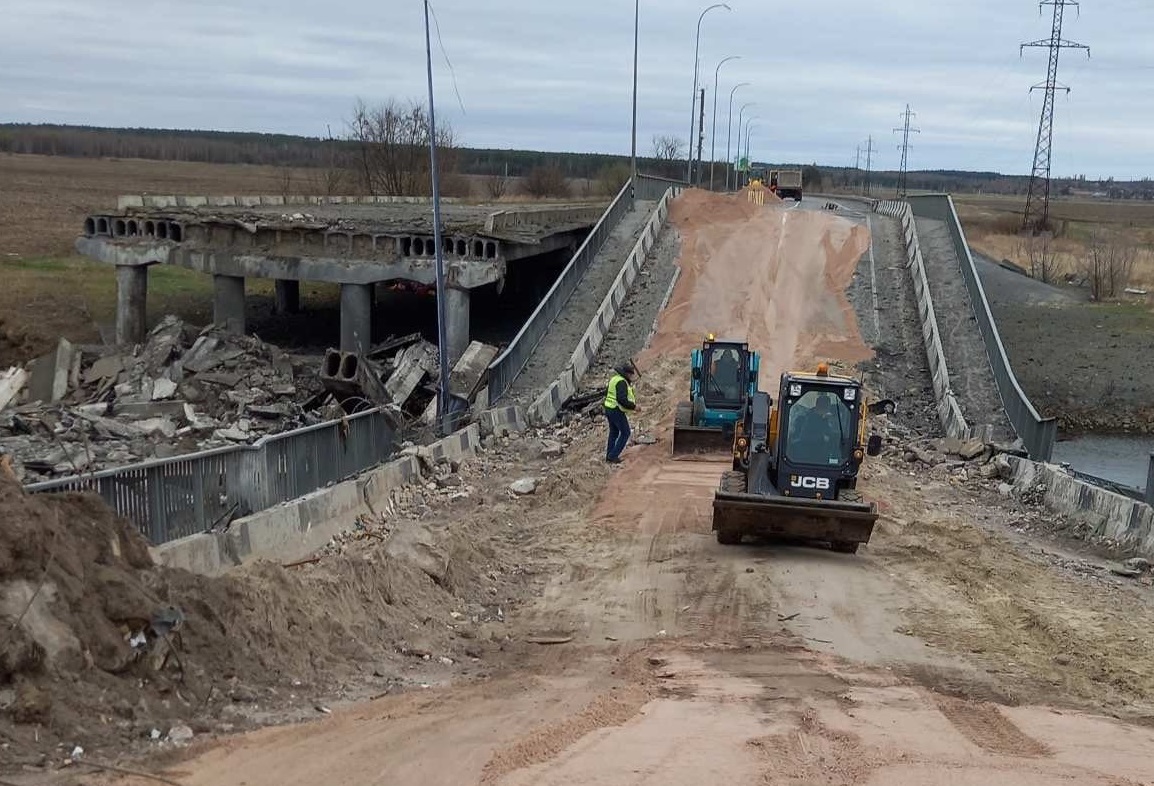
[(724, 376), (821, 440)]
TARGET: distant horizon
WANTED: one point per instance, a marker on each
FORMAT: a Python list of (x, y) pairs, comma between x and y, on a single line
[(562, 152)]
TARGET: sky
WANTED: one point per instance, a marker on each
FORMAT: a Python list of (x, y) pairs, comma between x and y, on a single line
[(824, 74)]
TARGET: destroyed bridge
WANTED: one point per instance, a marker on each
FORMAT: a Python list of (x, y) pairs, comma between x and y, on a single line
[(356, 242)]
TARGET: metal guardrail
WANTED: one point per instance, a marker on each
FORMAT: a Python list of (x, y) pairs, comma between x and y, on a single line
[(1037, 433), (510, 363), (185, 495)]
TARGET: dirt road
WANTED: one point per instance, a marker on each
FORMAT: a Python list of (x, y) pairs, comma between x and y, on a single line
[(655, 656)]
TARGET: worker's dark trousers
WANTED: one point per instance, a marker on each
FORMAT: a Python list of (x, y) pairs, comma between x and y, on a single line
[(619, 432)]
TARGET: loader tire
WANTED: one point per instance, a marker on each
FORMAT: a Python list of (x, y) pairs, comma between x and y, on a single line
[(683, 415), (733, 482), (844, 547)]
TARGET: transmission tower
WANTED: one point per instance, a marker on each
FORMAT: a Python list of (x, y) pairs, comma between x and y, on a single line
[(905, 148), (869, 151), (1037, 215)]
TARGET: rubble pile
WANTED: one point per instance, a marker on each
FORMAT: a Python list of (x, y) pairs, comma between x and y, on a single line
[(81, 409)]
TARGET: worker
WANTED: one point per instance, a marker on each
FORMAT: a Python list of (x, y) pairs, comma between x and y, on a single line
[(619, 399), (725, 376)]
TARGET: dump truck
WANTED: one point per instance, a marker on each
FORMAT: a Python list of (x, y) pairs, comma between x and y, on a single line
[(796, 462), (723, 378), (786, 183)]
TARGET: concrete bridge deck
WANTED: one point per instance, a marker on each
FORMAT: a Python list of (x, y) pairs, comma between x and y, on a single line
[(352, 241)]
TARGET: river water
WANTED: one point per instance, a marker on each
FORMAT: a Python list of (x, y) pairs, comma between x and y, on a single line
[(1122, 459)]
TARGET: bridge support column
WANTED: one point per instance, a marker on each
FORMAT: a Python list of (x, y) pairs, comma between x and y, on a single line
[(456, 322), (228, 303), (356, 317), (1150, 482), (288, 296), (131, 300)]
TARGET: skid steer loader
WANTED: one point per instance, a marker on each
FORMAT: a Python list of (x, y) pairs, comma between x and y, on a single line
[(795, 465), (723, 378)]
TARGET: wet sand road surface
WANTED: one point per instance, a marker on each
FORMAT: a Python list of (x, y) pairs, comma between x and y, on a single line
[(691, 662)]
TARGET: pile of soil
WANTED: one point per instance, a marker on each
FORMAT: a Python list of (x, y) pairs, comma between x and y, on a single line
[(103, 649)]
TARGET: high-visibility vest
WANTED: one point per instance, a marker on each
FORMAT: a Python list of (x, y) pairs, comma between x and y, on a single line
[(611, 395)]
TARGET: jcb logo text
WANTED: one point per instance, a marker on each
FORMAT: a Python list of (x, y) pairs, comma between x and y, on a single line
[(809, 483)]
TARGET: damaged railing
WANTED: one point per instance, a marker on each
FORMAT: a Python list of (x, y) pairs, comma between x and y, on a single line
[(185, 495)]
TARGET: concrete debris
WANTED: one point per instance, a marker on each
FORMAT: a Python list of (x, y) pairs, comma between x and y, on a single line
[(524, 486), (90, 408), (180, 734), (12, 382), (50, 374)]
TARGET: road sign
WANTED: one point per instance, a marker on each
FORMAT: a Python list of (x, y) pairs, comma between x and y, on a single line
[(743, 165)]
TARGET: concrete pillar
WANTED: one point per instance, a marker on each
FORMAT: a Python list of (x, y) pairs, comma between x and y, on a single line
[(288, 296), (1150, 482), (228, 303), (456, 322), (131, 299), (356, 317)]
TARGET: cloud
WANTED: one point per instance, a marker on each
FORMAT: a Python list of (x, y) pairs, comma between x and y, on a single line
[(825, 75)]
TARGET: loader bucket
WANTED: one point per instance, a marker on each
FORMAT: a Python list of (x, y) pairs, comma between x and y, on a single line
[(843, 524), (689, 441)]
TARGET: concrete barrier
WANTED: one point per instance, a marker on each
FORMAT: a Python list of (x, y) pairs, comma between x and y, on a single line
[(1107, 514), (949, 410), (545, 408), (298, 528)]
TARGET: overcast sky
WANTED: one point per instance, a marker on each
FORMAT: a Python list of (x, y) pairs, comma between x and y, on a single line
[(557, 75)]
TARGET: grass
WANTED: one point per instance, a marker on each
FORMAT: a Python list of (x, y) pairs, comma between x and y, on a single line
[(993, 223)]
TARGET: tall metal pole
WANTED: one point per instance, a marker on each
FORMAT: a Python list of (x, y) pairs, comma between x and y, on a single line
[(633, 150), (442, 339), (713, 133), (748, 128), (729, 134), (693, 102), (736, 174)]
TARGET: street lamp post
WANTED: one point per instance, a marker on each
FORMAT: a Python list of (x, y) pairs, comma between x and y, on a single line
[(693, 103), (633, 150), (443, 400), (713, 133), (748, 128), (736, 176), (729, 133)]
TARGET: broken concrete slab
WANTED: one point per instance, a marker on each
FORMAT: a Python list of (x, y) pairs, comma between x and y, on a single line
[(108, 367), (12, 382), (163, 389), (49, 380), (410, 371), (469, 372), (414, 543)]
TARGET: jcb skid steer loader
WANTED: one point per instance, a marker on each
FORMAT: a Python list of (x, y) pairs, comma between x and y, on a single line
[(795, 465), (723, 379)]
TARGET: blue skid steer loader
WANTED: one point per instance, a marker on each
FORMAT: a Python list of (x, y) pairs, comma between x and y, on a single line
[(723, 380)]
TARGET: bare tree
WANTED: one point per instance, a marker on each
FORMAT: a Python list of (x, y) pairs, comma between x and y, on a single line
[(668, 148), (496, 186), (1108, 264), (1045, 264), (546, 181), (392, 142)]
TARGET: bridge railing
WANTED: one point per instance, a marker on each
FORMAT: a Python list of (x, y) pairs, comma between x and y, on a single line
[(1036, 432), (511, 362), (172, 498)]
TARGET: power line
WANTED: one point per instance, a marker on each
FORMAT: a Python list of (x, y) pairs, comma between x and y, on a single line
[(905, 148), (1037, 214)]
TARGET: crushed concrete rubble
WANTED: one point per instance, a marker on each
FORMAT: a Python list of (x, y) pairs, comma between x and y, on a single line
[(86, 409)]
